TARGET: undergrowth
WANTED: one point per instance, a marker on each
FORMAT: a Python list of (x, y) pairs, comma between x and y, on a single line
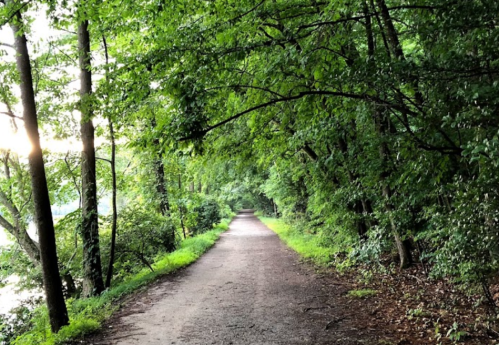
[(309, 246), (87, 315), (362, 293)]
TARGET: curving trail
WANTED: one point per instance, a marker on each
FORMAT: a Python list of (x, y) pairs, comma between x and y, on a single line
[(248, 289)]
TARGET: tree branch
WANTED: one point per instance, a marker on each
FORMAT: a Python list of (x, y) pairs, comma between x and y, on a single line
[(7, 226), (7, 45), (104, 159), (302, 94), (9, 114)]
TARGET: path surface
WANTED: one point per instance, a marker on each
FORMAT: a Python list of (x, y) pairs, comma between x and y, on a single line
[(248, 289)]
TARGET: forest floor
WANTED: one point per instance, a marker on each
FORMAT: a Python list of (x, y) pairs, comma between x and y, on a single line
[(251, 289)]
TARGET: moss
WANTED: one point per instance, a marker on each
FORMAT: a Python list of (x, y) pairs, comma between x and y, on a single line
[(363, 293)]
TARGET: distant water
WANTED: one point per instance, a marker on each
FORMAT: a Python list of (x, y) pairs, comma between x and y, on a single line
[(9, 296)]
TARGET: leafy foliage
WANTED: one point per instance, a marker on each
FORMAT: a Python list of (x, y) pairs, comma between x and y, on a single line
[(208, 214)]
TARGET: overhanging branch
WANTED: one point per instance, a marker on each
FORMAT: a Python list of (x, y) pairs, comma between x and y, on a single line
[(302, 94)]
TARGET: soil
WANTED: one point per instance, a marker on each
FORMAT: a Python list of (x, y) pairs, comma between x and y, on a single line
[(251, 289)]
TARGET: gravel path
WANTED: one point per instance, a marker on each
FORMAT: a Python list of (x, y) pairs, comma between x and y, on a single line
[(248, 289)]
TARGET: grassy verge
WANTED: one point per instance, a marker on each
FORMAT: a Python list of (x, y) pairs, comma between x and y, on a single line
[(307, 245), (87, 315)]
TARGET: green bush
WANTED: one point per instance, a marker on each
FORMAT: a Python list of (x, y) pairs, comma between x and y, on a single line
[(142, 237), (208, 214)]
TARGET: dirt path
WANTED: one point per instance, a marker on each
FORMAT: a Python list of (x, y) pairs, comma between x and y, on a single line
[(248, 289)]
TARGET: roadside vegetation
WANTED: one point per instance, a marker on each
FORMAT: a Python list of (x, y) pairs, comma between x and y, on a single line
[(368, 126), (86, 315)]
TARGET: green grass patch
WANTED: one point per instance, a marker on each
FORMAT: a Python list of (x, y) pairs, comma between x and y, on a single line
[(363, 293), (309, 246), (86, 315)]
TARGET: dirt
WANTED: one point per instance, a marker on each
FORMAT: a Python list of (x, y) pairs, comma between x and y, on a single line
[(248, 289)]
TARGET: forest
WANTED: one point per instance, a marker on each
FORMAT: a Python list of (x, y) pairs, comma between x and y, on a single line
[(370, 126)]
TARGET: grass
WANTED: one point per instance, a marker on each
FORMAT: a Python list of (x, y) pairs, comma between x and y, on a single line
[(307, 245), (363, 293), (87, 315)]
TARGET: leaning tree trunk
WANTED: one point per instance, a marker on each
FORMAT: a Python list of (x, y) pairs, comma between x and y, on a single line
[(382, 123), (402, 248), (58, 314), (92, 280)]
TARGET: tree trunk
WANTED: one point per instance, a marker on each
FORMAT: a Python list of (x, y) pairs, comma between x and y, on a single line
[(382, 125), (70, 284), (114, 225), (92, 280), (181, 206), (58, 314), (115, 211), (159, 170), (390, 30), (402, 248)]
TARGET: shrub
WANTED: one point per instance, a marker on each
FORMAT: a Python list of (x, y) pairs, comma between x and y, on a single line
[(208, 214), (142, 236)]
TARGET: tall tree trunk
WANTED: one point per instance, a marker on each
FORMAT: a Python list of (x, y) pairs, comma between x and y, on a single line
[(52, 284), (393, 39), (159, 170), (382, 128), (115, 211), (396, 47), (92, 280), (114, 225)]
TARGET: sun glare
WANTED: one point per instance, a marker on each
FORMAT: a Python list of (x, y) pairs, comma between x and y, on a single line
[(10, 139), (17, 141)]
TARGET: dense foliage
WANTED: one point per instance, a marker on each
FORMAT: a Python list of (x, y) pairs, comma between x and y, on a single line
[(370, 123)]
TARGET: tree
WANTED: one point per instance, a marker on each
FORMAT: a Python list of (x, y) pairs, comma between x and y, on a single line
[(43, 214), (93, 283)]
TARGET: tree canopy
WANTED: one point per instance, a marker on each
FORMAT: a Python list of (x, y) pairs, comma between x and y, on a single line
[(370, 123)]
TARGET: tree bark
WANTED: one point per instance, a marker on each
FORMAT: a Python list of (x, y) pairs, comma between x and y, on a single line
[(114, 205), (159, 170), (383, 127), (52, 283), (402, 248), (395, 46), (92, 280), (114, 225), (181, 206)]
